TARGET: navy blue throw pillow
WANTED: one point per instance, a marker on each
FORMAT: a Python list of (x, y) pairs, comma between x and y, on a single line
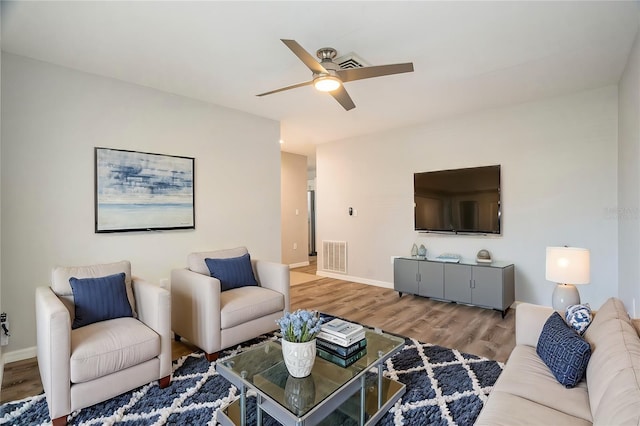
[(233, 272), (99, 299), (564, 351)]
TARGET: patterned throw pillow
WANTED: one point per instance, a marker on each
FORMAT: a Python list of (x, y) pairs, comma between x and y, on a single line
[(563, 350), (579, 317)]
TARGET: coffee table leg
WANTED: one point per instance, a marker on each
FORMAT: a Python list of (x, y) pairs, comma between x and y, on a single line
[(380, 371), (258, 410), (363, 398), (243, 401)]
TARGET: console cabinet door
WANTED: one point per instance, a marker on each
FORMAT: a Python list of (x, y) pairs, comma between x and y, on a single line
[(487, 287), (457, 283), (431, 280), (405, 276)]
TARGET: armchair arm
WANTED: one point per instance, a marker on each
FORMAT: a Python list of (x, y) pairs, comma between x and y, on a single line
[(274, 276), (195, 313), (153, 304), (53, 325), (529, 322)]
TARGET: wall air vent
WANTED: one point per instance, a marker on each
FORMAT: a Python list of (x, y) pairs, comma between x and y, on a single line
[(334, 256), (351, 60)]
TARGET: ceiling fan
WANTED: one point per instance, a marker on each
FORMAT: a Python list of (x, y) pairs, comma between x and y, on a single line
[(329, 77)]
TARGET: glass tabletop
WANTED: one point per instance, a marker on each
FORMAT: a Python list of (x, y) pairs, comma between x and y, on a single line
[(263, 368)]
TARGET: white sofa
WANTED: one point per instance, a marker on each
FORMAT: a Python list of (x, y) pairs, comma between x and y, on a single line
[(212, 319), (83, 366), (527, 393)]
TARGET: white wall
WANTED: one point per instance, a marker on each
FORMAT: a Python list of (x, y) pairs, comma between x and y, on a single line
[(294, 220), (53, 117), (628, 211), (559, 179)]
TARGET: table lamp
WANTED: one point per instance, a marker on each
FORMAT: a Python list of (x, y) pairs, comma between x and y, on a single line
[(567, 266)]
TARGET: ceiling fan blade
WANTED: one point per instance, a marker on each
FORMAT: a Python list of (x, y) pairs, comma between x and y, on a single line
[(343, 98), (282, 89), (305, 56), (375, 71)]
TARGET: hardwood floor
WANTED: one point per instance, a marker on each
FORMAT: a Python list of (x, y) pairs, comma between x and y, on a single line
[(469, 329)]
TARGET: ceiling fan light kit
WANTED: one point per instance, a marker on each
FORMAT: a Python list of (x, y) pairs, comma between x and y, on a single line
[(328, 76), (326, 83)]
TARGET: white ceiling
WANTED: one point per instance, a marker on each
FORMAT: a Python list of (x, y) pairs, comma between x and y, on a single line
[(467, 55)]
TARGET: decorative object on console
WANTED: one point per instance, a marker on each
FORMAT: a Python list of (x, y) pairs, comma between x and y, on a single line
[(448, 257), (567, 266), (414, 251), (422, 251), (299, 330), (484, 256)]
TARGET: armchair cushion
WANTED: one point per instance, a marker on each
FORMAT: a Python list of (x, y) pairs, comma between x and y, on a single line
[(245, 304), (233, 272), (99, 299), (106, 347), (196, 263)]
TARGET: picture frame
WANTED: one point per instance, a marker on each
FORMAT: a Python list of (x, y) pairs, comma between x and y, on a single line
[(142, 191)]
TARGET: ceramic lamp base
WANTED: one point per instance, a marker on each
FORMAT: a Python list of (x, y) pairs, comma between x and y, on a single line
[(565, 295)]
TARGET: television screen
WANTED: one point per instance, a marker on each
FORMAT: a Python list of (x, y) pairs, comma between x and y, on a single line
[(458, 201)]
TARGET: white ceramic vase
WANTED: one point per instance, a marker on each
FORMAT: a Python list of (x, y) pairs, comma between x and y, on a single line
[(299, 357)]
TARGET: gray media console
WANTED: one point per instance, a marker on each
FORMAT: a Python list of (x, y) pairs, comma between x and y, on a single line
[(488, 285)]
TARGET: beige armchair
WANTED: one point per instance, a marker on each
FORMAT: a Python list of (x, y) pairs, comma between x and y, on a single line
[(86, 365), (213, 319)]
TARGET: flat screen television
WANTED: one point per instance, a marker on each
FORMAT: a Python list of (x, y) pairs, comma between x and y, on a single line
[(463, 201)]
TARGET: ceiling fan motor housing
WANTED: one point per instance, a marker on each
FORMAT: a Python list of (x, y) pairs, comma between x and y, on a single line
[(326, 53)]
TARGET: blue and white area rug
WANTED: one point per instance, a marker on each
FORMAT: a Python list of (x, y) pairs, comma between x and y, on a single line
[(443, 387)]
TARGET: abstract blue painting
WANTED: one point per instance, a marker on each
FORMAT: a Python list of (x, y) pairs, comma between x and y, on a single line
[(140, 191)]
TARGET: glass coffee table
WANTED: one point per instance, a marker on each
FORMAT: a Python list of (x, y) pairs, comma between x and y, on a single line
[(357, 394)]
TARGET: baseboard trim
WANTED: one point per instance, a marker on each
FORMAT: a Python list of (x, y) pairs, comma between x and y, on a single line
[(299, 265), (355, 279), (20, 354)]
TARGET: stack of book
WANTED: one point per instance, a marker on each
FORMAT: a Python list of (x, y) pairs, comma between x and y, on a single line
[(341, 342)]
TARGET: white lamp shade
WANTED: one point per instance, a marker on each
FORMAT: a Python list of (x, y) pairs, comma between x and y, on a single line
[(568, 265)]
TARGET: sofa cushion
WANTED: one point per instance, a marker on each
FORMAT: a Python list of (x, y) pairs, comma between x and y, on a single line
[(60, 277), (620, 404), (528, 377), (612, 309), (564, 351), (244, 304), (579, 317), (105, 347), (233, 272), (616, 352), (505, 409), (99, 299), (196, 263)]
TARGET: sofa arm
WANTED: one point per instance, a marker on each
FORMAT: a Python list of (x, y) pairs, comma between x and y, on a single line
[(274, 276), (529, 322), (195, 308), (153, 305), (53, 326)]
